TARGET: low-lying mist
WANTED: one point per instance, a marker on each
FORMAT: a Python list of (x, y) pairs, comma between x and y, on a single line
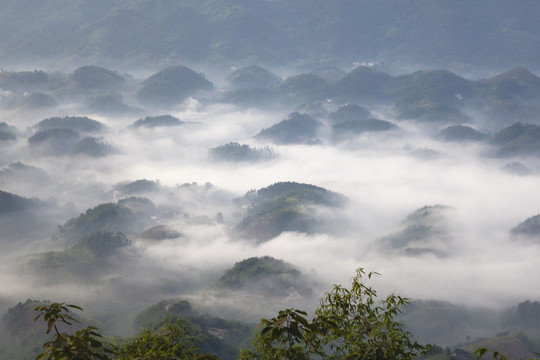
[(464, 254)]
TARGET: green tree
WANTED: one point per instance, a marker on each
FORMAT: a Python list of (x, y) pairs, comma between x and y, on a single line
[(171, 342), (348, 324), (364, 326), (84, 344), (290, 335)]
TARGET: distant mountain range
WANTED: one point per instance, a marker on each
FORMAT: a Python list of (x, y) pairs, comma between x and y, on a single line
[(503, 108), (484, 34)]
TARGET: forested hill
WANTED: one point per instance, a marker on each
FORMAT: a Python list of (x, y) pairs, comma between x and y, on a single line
[(492, 34)]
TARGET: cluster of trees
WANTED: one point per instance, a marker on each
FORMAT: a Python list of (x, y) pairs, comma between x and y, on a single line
[(236, 152), (283, 206), (266, 276), (296, 129), (348, 324), (157, 121), (61, 135)]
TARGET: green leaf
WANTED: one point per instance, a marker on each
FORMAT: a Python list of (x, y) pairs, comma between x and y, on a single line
[(479, 353)]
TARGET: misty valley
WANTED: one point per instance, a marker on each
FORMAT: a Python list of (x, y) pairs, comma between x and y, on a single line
[(223, 199)]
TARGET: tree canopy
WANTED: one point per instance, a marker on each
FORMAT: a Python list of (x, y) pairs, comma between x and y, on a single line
[(350, 323)]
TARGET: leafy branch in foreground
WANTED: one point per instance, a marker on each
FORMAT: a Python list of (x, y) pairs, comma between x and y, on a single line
[(348, 324), (84, 344), (290, 335), (480, 352), (171, 342)]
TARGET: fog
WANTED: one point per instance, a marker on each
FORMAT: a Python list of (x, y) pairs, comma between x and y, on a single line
[(385, 177)]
